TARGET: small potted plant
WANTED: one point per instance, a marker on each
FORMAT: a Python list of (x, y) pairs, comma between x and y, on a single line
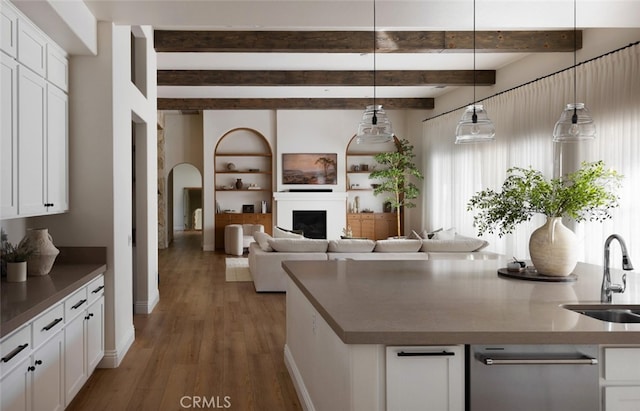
[(14, 259), (398, 168), (586, 194)]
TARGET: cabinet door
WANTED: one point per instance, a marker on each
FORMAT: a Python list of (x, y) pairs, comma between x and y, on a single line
[(429, 377), (15, 387), (32, 47), (8, 30), (8, 137), (622, 398), (353, 220), (57, 143), (95, 334), (368, 227), (74, 357), (47, 388), (31, 142)]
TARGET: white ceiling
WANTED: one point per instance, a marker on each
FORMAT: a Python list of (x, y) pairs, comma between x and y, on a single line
[(352, 15)]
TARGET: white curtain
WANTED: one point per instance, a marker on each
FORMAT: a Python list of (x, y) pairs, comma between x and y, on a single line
[(524, 120)]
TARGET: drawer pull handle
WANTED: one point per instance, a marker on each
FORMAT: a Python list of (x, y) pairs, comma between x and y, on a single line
[(15, 352), (541, 361), (78, 304), (426, 354), (51, 324), (97, 290)]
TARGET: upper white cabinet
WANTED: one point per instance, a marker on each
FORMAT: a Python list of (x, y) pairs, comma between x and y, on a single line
[(32, 47), (8, 30), (34, 120), (8, 137)]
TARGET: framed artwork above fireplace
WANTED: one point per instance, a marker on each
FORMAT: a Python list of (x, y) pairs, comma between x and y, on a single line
[(310, 168)]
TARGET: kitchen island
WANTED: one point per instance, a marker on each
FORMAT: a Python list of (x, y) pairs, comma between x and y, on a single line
[(343, 315)]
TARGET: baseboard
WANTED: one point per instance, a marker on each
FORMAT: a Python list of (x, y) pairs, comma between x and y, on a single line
[(113, 358), (146, 307), (298, 383)]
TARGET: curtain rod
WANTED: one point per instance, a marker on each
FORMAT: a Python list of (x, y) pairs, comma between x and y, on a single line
[(536, 80)]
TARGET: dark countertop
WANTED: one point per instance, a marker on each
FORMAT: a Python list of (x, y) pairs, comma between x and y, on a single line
[(74, 267), (457, 302)]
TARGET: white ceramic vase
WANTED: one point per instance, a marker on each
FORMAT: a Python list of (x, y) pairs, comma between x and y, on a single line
[(553, 248), (45, 253), (17, 272)]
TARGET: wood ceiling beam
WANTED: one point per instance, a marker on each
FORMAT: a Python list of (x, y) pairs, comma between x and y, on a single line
[(361, 41), (324, 78), (291, 103)]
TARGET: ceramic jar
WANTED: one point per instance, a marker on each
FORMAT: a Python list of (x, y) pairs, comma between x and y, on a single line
[(45, 253), (239, 184), (553, 248)]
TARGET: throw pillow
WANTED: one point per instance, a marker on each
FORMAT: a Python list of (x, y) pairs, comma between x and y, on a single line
[(262, 239), (415, 236), (284, 233), (298, 245), (429, 234), (351, 246), (398, 246), (449, 234), (460, 243)]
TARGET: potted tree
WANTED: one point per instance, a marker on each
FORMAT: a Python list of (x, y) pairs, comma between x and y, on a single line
[(14, 259), (586, 194), (394, 176)]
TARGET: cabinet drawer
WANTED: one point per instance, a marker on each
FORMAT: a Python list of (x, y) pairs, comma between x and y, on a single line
[(48, 324), (15, 348), (95, 289), (622, 364), (622, 398), (75, 304)]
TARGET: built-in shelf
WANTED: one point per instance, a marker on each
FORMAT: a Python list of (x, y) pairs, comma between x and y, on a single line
[(243, 154), (243, 172)]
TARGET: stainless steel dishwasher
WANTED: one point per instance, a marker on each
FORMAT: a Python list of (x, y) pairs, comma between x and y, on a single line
[(533, 378)]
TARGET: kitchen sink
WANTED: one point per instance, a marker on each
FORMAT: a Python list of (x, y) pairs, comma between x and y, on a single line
[(610, 313)]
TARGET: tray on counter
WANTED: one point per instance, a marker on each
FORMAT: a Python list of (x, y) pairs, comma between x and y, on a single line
[(534, 276)]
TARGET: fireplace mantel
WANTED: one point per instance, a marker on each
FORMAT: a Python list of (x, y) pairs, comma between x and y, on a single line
[(334, 203)]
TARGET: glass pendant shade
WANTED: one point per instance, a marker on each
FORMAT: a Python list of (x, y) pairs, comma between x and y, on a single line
[(475, 126), (374, 127), (575, 124)]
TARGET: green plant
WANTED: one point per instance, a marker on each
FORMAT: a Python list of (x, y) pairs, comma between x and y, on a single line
[(12, 253), (394, 176), (586, 194)]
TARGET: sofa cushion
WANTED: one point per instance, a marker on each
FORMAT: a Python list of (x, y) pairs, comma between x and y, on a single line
[(284, 233), (444, 234), (398, 246), (351, 246), (298, 245), (262, 240), (458, 244)]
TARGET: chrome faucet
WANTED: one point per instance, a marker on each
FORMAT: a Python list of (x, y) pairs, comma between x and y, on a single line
[(607, 288)]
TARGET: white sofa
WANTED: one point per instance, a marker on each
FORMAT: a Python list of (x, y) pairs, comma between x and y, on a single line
[(269, 276)]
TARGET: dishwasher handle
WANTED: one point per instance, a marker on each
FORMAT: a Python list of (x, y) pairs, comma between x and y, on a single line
[(539, 361)]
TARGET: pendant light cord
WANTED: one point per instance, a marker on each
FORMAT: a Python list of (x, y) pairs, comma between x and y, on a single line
[(574, 117), (474, 116), (374, 119)]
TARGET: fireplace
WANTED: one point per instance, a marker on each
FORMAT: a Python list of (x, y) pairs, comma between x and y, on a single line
[(313, 223), (333, 203)]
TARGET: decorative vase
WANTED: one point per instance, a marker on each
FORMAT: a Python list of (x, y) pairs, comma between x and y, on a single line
[(239, 184), (553, 248), (44, 254), (17, 272)]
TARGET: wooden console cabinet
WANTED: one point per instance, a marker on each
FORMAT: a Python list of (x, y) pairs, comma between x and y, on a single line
[(375, 226)]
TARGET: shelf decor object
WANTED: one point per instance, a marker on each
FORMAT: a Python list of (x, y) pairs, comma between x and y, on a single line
[(375, 126), (475, 125), (575, 123)]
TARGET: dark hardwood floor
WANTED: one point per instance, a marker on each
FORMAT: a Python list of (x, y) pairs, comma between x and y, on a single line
[(208, 343)]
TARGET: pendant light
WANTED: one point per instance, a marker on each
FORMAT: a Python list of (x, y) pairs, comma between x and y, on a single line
[(475, 126), (375, 126), (575, 123)]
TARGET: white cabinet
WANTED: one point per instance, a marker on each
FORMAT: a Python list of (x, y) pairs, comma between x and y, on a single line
[(33, 379), (32, 98), (57, 171), (8, 29), (84, 335), (8, 137), (32, 47), (621, 378), (429, 377), (34, 120)]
